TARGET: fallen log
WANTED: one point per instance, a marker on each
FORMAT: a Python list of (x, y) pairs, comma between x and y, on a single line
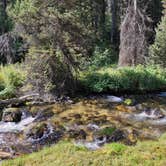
[(33, 100), (19, 101)]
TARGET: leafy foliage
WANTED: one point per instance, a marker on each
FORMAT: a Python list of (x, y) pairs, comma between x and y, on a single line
[(11, 77), (103, 56), (125, 79)]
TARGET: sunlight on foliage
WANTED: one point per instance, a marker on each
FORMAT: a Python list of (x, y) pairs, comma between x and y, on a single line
[(11, 77)]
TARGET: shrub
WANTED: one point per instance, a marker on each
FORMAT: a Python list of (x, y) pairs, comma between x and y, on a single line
[(125, 79), (11, 77), (103, 56)]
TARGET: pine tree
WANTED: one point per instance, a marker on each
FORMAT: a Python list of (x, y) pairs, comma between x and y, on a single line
[(158, 49)]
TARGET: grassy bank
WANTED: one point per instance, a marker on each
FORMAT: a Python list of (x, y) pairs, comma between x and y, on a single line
[(131, 79), (149, 153)]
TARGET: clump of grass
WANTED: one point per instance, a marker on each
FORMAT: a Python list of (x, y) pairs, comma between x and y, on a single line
[(11, 77), (138, 78)]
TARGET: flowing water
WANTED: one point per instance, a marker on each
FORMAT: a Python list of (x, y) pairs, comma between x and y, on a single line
[(90, 122)]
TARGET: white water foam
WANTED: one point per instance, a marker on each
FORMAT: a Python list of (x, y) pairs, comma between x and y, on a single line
[(45, 135), (144, 115), (6, 127), (96, 144)]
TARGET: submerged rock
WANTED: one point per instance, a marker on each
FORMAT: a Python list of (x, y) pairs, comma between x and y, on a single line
[(93, 127), (75, 132), (37, 131), (41, 114), (43, 133), (117, 135)]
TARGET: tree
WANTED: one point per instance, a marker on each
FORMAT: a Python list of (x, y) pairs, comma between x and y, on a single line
[(5, 22), (58, 39), (158, 49)]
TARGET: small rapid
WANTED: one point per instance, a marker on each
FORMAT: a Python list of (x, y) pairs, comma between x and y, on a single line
[(10, 127), (90, 122)]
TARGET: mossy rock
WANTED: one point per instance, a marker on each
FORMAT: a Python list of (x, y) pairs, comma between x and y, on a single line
[(37, 131), (12, 115), (129, 102), (42, 113), (77, 134), (107, 131)]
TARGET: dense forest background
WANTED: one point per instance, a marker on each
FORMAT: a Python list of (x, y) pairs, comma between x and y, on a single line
[(74, 45)]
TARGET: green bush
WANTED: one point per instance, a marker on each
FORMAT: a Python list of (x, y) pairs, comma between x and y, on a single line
[(11, 77), (103, 56), (125, 79)]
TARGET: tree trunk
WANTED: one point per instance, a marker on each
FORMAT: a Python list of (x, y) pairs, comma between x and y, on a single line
[(133, 41), (103, 19), (3, 16), (114, 23)]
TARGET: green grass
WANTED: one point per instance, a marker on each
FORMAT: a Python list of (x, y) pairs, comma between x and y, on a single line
[(148, 153), (138, 78), (11, 77), (107, 131)]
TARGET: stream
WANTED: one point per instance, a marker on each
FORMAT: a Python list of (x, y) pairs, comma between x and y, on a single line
[(90, 122)]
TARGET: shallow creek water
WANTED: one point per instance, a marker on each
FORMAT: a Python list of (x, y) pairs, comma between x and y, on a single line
[(89, 122)]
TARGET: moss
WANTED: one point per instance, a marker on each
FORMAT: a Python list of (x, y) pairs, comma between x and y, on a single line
[(128, 102)]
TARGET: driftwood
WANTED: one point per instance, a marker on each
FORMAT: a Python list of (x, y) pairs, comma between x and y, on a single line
[(19, 101), (33, 100)]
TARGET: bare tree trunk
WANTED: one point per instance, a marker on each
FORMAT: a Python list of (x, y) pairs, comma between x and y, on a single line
[(133, 42), (3, 15)]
